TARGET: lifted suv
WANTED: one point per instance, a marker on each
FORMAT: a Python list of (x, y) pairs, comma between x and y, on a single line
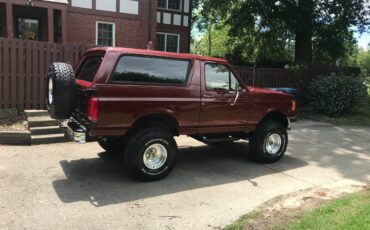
[(135, 101)]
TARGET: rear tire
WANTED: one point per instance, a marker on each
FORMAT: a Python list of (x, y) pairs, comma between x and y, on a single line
[(61, 95), (150, 154), (112, 144), (269, 143)]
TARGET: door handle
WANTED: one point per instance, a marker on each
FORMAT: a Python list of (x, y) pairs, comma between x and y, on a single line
[(236, 99), (208, 96)]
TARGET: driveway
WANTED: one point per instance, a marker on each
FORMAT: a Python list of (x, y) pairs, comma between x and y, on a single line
[(65, 186)]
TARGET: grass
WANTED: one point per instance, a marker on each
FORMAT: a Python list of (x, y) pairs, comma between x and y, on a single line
[(359, 117), (243, 221), (352, 212)]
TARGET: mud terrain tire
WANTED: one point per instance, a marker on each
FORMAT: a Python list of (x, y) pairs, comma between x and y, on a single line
[(269, 143), (61, 95), (141, 144)]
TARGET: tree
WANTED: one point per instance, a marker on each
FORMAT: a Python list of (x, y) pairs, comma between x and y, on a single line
[(311, 23), (364, 60), (219, 44)]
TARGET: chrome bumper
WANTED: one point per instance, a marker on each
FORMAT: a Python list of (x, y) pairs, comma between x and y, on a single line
[(76, 131), (291, 122)]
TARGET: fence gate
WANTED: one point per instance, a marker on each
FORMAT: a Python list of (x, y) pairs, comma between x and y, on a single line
[(23, 70)]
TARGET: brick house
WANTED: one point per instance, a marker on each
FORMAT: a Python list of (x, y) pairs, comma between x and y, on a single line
[(125, 23)]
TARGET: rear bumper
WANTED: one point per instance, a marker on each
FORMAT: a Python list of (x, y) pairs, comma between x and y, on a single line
[(78, 132), (291, 122)]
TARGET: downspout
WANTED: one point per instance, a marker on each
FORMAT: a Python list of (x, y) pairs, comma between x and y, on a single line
[(190, 23), (149, 20)]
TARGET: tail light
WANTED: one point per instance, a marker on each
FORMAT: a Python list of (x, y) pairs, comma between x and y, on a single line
[(92, 113), (294, 105)]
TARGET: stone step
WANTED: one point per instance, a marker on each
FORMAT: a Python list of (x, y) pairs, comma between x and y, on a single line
[(37, 113), (46, 130), (41, 121), (15, 138), (48, 139)]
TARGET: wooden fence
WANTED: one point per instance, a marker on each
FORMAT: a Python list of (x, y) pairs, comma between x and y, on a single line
[(300, 79), (267, 77), (23, 70), (24, 65)]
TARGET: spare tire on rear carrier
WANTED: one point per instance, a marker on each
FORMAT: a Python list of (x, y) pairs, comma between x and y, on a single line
[(61, 94)]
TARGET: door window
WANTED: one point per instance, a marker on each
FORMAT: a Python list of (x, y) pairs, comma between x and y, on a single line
[(219, 77)]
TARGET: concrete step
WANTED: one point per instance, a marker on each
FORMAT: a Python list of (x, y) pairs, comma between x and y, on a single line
[(37, 113), (48, 139), (46, 130), (41, 121)]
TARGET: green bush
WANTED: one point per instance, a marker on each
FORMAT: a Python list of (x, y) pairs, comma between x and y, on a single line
[(335, 95)]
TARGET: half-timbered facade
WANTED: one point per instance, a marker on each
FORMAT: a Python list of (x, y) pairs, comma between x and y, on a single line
[(161, 24), (173, 25)]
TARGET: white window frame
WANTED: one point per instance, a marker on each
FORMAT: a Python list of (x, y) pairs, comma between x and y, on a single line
[(165, 40), (171, 9), (113, 35)]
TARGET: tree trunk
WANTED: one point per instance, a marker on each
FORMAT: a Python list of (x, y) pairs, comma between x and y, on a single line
[(210, 39), (304, 32)]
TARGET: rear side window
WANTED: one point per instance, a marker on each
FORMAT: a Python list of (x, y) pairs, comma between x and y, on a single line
[(151, 70), (89, 67)]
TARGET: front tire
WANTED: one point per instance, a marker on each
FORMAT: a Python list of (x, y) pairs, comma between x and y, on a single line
[(150, 154), (269, 143)]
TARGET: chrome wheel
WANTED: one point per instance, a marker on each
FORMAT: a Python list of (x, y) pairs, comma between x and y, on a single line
[(273, 144), (50, 91), (155, 156)]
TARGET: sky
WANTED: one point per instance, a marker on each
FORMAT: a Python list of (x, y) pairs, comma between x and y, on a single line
[(363, 40)]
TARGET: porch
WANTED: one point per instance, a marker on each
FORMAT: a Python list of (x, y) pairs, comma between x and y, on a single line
[(38, 20)]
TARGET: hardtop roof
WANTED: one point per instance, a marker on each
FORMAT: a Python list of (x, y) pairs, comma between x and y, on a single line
[(157, 53)]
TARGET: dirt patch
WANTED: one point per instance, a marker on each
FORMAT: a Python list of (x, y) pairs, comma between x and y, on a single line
[(285, 210), (16, 123)]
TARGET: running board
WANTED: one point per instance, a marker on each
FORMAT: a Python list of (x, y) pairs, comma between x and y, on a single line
[(213, 140)]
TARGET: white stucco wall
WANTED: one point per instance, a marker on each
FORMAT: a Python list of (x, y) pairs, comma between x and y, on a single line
[(58, 1)]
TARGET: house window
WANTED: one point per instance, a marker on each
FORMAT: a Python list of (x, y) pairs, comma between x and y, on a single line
[(169, 4), (28, 29), (105, 34), (162, 4), (168, 42)]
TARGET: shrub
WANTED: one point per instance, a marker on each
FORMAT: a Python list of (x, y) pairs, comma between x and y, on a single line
[(335, 95)]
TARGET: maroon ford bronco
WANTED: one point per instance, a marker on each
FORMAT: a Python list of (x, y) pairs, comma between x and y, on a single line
[(134, 102)]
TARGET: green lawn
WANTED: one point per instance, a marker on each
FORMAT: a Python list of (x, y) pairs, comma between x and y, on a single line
[(352, 212), (360, 117), (243, 222), (348, 213)]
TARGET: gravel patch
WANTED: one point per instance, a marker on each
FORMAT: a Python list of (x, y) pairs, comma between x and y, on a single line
[(17, 123)]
